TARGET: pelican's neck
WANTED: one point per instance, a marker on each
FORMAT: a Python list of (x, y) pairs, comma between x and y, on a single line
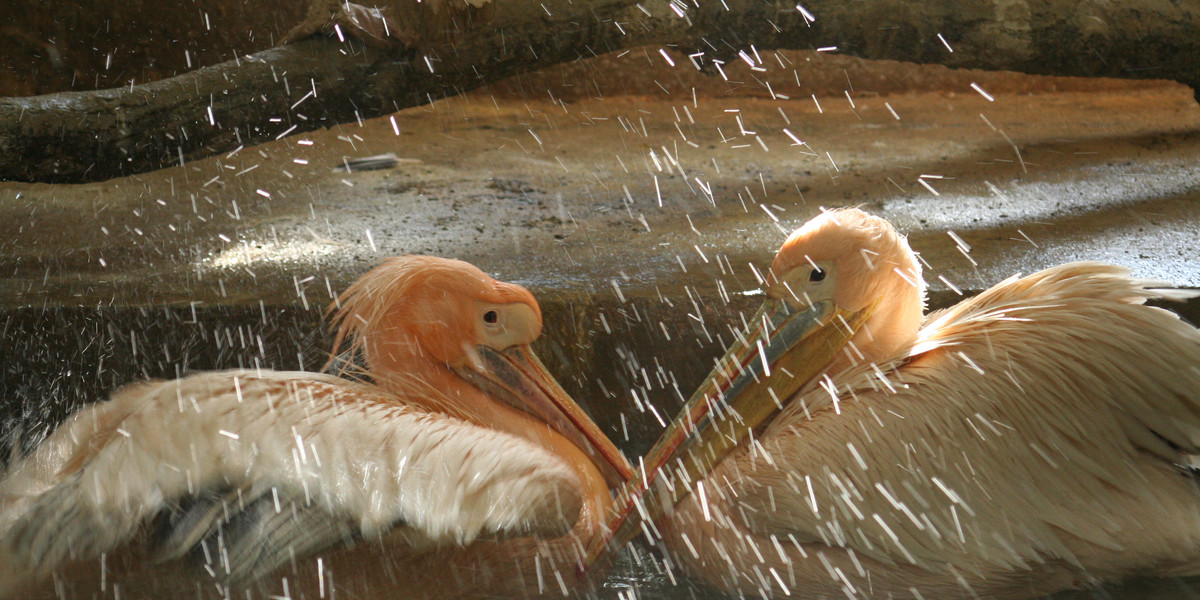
[(887, 336), (502, 417), (434, 379), (473, 404)]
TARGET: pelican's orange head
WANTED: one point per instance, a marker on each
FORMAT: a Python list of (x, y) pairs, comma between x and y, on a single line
[(856, 260), (411, 310), (423, 317)]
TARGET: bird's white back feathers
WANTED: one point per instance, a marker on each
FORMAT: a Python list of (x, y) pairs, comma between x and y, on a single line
[(344, 447), (1040, 423)]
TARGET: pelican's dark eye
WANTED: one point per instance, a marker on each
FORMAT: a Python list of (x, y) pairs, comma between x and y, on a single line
[(490, 317), (817, 276)]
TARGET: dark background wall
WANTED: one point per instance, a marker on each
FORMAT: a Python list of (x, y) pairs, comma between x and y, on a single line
[(59, 45)]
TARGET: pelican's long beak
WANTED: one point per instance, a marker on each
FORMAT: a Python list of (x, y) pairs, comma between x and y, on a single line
[(517, 377), (782, 350)]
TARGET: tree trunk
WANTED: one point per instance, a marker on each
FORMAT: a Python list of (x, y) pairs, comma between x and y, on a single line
[(88, 136)]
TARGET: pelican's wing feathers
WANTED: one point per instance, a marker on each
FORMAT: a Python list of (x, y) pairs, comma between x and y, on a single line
[(274, 466), (1062, 381)]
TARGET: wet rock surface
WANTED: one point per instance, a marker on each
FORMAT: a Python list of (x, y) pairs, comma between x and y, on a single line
[(634, 218)]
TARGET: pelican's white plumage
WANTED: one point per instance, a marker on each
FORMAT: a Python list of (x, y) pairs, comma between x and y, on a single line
[(263, 482), (1028, 440), (352, 450)]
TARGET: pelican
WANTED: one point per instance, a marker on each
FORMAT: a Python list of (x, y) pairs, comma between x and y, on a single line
[(461, 469), (1031, 439)]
